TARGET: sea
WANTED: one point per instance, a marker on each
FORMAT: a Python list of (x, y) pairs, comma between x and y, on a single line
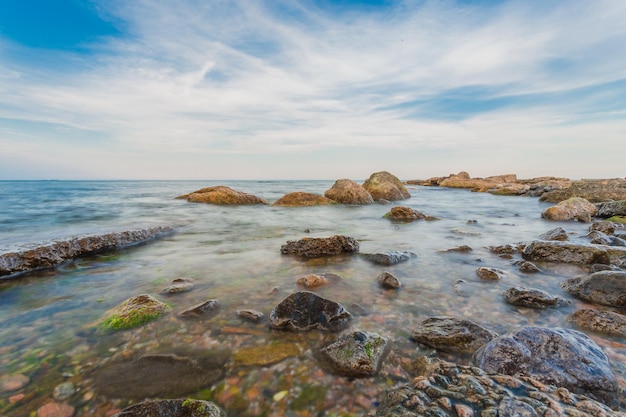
[(51, 349)]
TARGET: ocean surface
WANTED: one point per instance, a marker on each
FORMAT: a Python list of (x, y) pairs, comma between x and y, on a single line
[(232, 254)]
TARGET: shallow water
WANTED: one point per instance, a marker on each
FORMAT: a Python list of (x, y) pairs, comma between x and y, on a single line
[(233, 255)]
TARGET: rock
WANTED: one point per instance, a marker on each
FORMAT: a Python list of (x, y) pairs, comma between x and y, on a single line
[(401, 213), (251, 315), (603, 287), (302, 199), (621, 220), (305, 310), (574, 208), (565, 252), (388, 280), (155, 375), (63, 391), (348, 192), (595, 191), (555, 234), (611, 208), (532, 297), (528, 267), (54, 254), (462, 248), (173, 408), (134, 312), (265, 355), (450, 334), (463, 180), (383, 185), (503, 249), (201, 310), (13, 382), (470, 392), (221, 195), (561, 357), (312, 280), (55, 410), (358, 354), (605, 227), (389, 258), (312, 247), (509, 189), (490, 274), (179, 285), (606, 322)]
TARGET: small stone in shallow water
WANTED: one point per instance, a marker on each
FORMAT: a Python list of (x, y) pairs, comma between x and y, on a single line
[(527, 267), (134, 312), (304, 310), (389, 258), (13, 382), (179, 285), (173, 408), (358, 354), (63, 391), (388, 280), (251, 315), (532, 297), (312, 280), (490, 274), (201, 309), (606, 322), (55, 410)]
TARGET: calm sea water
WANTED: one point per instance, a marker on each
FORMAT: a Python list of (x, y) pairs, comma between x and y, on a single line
[(233, 255)]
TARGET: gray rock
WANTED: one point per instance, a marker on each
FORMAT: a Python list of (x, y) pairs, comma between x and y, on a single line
[(606, 322), (172, 408), (359, 354), (179, 285), (608, 228), (201, 309), (532, 297), (63, 391), (560, 357), (322, 246), (451, 334), (611, 208), (565, 252), (250, 315), (388, 280), (555, 234), (305, 310), (490, 274), (389, 258), (604, 287)]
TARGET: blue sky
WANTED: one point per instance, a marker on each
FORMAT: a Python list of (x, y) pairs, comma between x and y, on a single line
[(319, 89)]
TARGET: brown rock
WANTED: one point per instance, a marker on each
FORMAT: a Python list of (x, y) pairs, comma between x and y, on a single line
[(595, 191), (606, 322), (322, 246), (13, 382), (565, 252), (302, 199), (401, 213), (346, 191), (386, 186), (490, 274), (312, 280), (555, 234), (221, 195), (55, 410), (451, 334), (388, 280), (574, 208)]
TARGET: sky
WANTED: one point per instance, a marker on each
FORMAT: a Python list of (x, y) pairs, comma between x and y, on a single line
[(311, 89)]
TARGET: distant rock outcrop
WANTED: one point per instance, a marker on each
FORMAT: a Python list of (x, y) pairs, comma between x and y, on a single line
[(595, 191), (221, 195)]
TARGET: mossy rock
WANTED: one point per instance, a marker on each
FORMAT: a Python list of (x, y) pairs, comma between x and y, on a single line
[(134, 312), (617, 219)]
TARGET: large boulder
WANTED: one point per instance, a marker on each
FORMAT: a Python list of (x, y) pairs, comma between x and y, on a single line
[(304, 310), (385, 186), (561, 357), (172, 408), (358, 354), (221, 195), (606, 322), (346, 191), (302, 199), (574, 208), (611, 208), (603, 287), (565, 252), (134, 312), (315, 247), (596, 191), (452, 335)]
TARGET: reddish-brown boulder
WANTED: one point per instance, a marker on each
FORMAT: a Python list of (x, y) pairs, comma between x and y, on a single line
[(385, 186), (222, 195), (346, 191)]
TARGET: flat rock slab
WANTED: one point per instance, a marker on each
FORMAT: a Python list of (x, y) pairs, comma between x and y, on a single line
[(603, 287), (565, 252), (304, 310), (452, 335), (173, 408), (320, 246), (358, 354), (532, 298), (389, 258), (606, 322), (302, 199)]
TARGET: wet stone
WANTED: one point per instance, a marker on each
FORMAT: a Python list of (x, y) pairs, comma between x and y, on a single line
[(317, 247), (359, 354), (555, 234), (173, 408), (304, 310), (452, 334), (179, 285), (532, 297), (389, 258), (63, 391), (603, 287), (606, 322), (55, 410), (490, 274), (201, 310), (510, 407), (265, 355), (388, 280), (13, 382), (251, 315), (462, 249), (527, 267), (134, 312), (565, 252)]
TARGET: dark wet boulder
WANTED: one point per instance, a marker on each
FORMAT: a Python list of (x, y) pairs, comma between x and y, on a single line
[(358, 354), (574, 208), (302, 199), (599, 238), (389, 258), (172, 408), (253, 316), (561, 357), (385, 186), (490, 274), (565, 252), (304, 310), (595, 191), (346, 191), (314, 247), (54, 254), (608, 228), (451, 334), (134, 312), (532, 297), (179, 285), (555, 234), (603, 287), (404, 214), (388, 280), (606, 322), (154, 375), (221, 195), (611, 208), (201, 310)]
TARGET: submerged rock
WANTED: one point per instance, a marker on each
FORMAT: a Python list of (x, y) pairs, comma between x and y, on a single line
[(134, 312), (302, 199), (565, 252), (560, 357), (527, 267), (532, 297), (54, 254), (450, 334), (172, 408), (574, 208), (606, 322), (603, 287), (346, 191), (304, 310), (385, 186), (317, 280), (555, 234), (201, 310), (179, 285), (359, 354), (490, 274), (314, 247), (221, 195), (253, 316), (265, 355), (389, 258), (388, 280), (401, 213)]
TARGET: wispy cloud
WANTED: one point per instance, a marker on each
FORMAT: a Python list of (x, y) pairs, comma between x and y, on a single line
[(277, 78)]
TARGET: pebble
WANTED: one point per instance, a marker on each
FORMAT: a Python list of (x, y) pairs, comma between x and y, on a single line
[(55, 410), (63, 391), (13, 382)]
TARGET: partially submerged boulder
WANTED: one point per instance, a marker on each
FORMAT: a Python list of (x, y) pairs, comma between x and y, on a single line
[(451, 334), (314, 247), (532, 298), (606, 322), (389, 258), (346, 191), (490, 274), (388, 280), (611, 208), (358, 354), (179, 285), (561, 357), (221, 195), (317, 280), (134, 312), (385, 186), (302, 199), (603, 287), (555, 234), (172, 408), (304, 310), (565, 252), (406, 214), (574, 208)]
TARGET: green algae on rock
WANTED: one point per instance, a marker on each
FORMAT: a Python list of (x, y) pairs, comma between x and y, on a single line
[(134, 312)]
